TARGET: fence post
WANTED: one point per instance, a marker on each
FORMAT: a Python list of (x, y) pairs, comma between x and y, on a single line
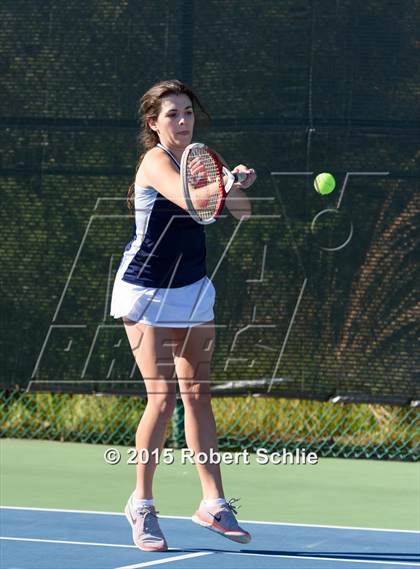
[(178, 432)]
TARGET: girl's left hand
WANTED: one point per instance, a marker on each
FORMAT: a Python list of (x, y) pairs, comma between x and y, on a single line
[(249, 180)]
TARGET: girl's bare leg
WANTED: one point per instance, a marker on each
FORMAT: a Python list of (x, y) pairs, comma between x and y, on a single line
[(153, 350), (192, 357)]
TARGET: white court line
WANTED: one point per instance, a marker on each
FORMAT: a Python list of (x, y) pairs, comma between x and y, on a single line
[(7, 538), (355, 528), (144, 564), (188, 518), (166, 560)]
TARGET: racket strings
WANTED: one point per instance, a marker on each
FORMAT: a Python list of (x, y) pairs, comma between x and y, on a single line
[(205, 183)]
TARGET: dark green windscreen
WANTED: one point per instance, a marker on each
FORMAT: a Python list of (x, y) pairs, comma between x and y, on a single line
[(316, 295)]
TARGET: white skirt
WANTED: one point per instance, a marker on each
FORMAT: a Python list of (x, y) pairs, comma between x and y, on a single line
[(167, 307)]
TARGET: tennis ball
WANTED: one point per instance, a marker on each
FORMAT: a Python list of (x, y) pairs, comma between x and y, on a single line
[(324, 183)]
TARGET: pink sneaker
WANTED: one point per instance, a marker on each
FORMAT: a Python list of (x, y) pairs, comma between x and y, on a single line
[(221, 519), (147, 534)]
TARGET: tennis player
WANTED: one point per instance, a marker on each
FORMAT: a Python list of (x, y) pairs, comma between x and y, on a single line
[(166, 301)]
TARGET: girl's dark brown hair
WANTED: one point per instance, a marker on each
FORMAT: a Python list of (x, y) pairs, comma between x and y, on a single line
[(149, 109)]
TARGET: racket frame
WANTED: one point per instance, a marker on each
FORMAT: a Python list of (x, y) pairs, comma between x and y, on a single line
[(225, 188)]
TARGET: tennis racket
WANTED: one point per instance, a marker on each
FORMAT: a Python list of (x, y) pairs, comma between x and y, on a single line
[(205, 182)]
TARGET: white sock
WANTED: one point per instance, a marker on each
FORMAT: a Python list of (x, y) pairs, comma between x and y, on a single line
[(139, 503), (214, 502)]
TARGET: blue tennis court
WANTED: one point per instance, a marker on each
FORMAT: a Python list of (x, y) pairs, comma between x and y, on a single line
[(70, 539)]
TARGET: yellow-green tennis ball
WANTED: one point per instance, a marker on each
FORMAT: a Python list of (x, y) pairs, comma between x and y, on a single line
[(324, 183)]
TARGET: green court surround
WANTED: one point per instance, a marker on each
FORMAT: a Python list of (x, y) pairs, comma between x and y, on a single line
[(340, 492)]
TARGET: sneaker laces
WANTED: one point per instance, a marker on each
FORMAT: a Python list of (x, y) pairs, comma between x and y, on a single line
[(231, 505), (144, 510)]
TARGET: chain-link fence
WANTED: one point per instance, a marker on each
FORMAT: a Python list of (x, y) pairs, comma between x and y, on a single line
[(293, 303), (250, 422)]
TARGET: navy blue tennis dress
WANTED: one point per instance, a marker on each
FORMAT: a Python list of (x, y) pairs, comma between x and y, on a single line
[(161, 280)]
